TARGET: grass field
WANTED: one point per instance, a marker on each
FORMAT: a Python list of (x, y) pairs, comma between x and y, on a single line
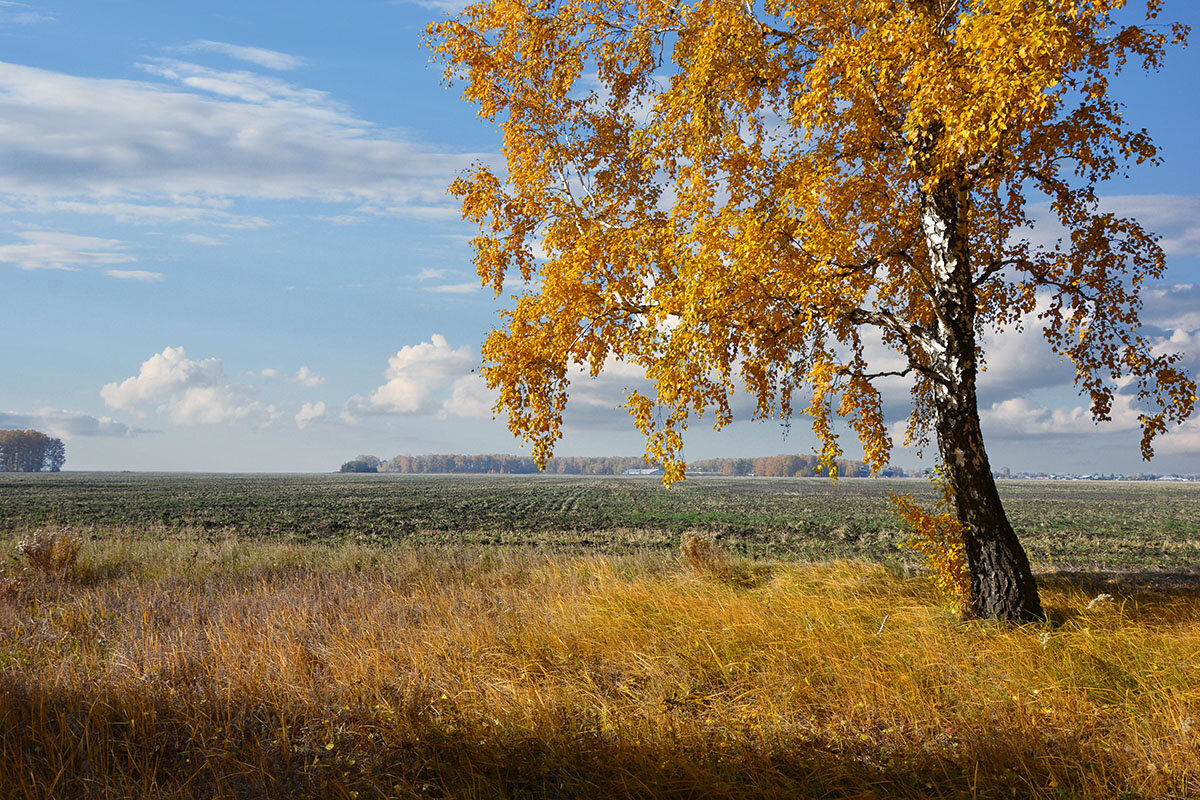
[(274, 643), (1063, 525)]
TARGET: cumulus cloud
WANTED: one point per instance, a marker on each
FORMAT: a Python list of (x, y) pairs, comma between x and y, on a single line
[(1018, 360), (64, 423), (271, 59), (187, 392), (1184, 342), (309, 413), (469, 397), (306, 377), (65, 251), (1019, 417), (432, 378), (190, 139), (416, 375)]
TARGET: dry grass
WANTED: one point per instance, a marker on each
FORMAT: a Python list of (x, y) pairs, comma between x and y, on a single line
[(49, 553), (225, 669)]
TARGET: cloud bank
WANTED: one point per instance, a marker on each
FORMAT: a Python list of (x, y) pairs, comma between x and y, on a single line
[(64, 251), (181, 146), (66, 424)]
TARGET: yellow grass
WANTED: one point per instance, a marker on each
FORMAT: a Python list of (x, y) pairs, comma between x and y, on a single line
[(196, 669)]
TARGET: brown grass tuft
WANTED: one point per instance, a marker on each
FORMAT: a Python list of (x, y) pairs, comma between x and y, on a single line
[(707, 559), (50, 552)]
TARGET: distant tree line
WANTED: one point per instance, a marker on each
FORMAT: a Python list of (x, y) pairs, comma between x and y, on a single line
[(30, 451), (783, 466), (786, 466), (500, 463)]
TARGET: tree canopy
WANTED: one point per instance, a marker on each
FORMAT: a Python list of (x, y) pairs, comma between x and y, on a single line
[(358, 465), (732, 194), (30, 451)]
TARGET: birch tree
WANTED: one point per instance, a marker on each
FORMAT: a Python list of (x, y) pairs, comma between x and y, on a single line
[(740, 195)]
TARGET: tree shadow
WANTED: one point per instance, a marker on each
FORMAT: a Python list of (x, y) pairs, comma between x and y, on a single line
[(1156, 595), (71, 744)]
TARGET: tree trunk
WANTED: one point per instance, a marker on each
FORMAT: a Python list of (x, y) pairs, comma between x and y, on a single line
[(1002, 584)]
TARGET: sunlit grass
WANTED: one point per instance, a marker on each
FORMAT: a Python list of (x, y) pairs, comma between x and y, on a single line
[(220, 667)]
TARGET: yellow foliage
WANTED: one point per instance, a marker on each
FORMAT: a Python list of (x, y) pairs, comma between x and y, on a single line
[(938, 535), (728, 194)]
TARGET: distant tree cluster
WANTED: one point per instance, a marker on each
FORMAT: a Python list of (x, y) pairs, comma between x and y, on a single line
[(362, 464), (783, 466), (30, 451)]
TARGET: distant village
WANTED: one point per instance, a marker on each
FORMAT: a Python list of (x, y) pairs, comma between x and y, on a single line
[(1004, 474)]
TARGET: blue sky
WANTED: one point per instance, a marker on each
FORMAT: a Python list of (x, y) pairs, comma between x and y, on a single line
[(225, 244)]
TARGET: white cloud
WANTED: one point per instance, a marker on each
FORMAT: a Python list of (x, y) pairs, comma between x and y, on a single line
[(1019, 360), (249, 87), (469, 397), (271, 59), (1187, 344), (415, 374), (209, 211), (60, 422), (204, 211), (187, 392), (142, 275), (1184, 440), (1173, 307), (13, 13), (309, 413), (1019, 417), (306, 377), (201, 239), (456, 288), (446, 6), (184, 145), (1022, 420), (428, 274), (65, 251), (1176, 218), (269, 372)]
